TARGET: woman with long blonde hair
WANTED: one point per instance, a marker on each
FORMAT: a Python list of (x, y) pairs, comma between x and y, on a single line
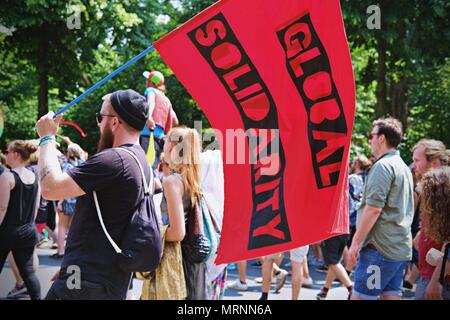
[(173, 278)]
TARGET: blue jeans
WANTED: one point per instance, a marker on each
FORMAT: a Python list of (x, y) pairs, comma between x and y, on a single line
[(376, 275)]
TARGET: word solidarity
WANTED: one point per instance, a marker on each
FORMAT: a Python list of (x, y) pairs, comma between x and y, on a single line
[(218, 44)]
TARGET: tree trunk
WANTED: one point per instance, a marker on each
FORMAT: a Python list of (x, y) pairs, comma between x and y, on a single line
[(381, 91), (42, 68), (399, 101)]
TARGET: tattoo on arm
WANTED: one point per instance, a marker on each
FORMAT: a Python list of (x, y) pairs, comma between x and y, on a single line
[(44, 172)]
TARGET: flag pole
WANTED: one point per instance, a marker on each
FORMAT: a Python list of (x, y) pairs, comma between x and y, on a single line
[(105, 79)]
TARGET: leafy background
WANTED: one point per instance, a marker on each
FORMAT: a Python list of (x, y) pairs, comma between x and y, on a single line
[(401, 70)]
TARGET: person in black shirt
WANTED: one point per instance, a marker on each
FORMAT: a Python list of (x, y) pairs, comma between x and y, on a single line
[(19, 194), (89, 268)]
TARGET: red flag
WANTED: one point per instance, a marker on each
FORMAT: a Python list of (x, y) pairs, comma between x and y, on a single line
[(255, 65)]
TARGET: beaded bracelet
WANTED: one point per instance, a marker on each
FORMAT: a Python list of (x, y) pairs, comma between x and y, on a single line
[(46, 139)]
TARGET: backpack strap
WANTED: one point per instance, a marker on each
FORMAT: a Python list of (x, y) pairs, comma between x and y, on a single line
[(108, 236), (147, 188)]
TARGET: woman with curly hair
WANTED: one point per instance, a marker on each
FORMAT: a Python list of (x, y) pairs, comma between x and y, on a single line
[(428, 155), (435, 233)]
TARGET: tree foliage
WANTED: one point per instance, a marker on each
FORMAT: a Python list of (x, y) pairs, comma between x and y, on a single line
[(400, 70)]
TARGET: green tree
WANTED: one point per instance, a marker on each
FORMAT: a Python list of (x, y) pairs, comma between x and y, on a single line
[(413, 33), (42, 38)]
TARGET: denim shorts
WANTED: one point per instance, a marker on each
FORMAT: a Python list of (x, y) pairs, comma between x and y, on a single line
[(376, 275)]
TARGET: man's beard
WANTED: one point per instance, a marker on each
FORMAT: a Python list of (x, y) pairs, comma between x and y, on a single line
[(106, 139)]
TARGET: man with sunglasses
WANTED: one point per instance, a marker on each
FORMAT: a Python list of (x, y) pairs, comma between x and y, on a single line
[(89, 268), (383, 233)]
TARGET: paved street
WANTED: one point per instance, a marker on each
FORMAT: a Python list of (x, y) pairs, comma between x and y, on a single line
[(48, 267)]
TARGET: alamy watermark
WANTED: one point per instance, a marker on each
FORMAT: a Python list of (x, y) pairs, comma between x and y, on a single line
[(252, 146), (374, 20), (373, 282), (73, 282), (74, 16)]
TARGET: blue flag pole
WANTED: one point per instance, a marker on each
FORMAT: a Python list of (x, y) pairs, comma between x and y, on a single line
[(105, 79)]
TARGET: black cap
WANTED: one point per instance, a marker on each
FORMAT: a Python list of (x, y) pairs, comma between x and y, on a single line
[(131, 107)]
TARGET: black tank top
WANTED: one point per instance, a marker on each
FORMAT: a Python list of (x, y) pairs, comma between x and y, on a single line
[(18, 227)]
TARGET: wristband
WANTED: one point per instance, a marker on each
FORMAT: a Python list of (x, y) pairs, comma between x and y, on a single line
[(46, 139)]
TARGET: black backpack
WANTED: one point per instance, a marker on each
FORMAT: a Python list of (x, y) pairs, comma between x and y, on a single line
[(141, 242)]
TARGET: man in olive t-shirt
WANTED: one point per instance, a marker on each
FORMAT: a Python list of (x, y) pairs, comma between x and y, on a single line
[(384, 219)]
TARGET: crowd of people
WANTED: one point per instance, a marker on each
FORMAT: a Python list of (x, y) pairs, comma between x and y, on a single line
[(399, 215)]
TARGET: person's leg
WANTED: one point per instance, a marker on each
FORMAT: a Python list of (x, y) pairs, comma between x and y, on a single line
[(322, 295), (241, 283), (297, 278), (63, 225), (242, 269), (62, 228), (51, 222), (24, 260), (317, 251), (279, 273), (305, 269), (331, 276), (277, 263), (307, 280), (267, 276), (341, 274), (276, 269), (35, 261), (391, 279), (49, 232), (297, 255), (15, 270)]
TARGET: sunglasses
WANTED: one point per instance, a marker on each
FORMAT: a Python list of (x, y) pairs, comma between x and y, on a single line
[(99, 116)]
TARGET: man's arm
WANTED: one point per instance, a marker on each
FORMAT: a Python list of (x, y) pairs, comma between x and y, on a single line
[(55, 185), (151, 106), (151, 100), (368, 218)]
